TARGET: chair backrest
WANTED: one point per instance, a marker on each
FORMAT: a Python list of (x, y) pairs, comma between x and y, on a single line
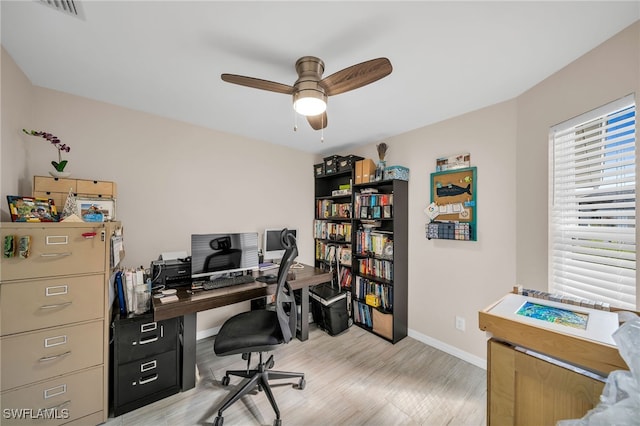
[(285, 300)]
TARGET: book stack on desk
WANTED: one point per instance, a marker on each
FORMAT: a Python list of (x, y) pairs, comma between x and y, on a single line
[(267, 266)]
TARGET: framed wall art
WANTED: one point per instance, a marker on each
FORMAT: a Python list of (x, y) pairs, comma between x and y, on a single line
[(453, 208), (96, 209), (32, 209)]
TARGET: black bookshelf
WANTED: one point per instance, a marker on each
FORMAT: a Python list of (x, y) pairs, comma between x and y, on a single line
[(381, 273)]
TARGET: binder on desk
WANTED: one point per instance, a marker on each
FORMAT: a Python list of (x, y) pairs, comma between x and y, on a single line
[(122, 304)]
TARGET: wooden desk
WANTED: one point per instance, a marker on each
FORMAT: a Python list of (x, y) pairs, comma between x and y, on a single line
[(190, 303)]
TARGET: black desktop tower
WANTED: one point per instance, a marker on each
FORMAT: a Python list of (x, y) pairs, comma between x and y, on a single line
[(329, 308)]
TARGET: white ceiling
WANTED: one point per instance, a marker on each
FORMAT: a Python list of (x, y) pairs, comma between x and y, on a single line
[(166, 57)]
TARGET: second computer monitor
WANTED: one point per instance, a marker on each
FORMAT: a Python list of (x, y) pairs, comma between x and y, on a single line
[(272, 248)]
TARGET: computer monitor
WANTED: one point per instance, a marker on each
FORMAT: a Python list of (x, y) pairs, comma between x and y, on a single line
[(218, 255), (272, 248)]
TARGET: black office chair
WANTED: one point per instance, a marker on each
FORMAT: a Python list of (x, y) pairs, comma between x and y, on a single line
[(261, 331)]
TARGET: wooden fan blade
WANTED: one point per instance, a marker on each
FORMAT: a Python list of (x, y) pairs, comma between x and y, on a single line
[(257, 83), (356, 76), (318, 122)]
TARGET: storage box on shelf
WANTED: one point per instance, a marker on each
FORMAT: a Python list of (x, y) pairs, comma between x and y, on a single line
[(54, 322)]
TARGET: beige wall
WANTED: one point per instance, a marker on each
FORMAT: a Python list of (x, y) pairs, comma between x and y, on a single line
[(609, 72), (165, 171), (174, 179), (459, 278)]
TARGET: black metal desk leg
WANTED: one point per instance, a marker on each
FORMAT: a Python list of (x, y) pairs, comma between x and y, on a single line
[(304, 314)]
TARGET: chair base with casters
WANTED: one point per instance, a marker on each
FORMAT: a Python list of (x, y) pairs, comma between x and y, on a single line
[(258, 377), (261, 331)]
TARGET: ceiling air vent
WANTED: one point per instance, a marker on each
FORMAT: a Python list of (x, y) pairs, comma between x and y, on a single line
[(68, 7)]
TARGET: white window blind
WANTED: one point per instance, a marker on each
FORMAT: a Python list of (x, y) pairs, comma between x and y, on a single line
[(592, 218)]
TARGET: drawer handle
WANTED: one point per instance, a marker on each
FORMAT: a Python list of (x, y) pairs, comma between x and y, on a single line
[(145, 328), (148, 380), (55, 305), (57, 239), (148, 366), (55, 391), (59, 406), (68, 253), (56, 290), (52, 357), (151, 340)]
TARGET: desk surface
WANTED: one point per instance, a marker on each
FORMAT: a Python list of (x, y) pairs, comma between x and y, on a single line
[(189, 302)]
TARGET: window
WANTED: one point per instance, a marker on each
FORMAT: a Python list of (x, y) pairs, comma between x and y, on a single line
[(592, 217)]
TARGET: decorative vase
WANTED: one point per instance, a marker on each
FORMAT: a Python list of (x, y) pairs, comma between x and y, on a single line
[(57, 174)]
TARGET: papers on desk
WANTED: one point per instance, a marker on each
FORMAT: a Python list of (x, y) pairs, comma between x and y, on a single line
[(267, 266)]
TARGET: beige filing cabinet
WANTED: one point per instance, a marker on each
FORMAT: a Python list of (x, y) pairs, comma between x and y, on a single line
[(58, 189), (54, 324)]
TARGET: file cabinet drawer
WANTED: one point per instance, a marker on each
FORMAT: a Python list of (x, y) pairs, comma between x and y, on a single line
[(145, 377), (142, 338), (56, 251), (67, 397), (32, 305), (30, 357)]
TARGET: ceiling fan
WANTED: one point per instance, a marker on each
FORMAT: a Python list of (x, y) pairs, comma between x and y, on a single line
[(310, 91)]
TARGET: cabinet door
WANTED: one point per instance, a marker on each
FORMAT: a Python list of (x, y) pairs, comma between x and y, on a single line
[(50, 302), (66, 398), (29, 357), (141, 339), (144, 377), (526, 390), (56, 251)]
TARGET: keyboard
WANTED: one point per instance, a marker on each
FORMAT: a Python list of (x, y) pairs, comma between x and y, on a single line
[(226, 282)]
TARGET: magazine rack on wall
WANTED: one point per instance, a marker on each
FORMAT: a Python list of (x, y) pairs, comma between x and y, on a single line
[(453, 208)]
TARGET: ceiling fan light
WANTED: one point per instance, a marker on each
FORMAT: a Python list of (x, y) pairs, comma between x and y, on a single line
[(310, 102)]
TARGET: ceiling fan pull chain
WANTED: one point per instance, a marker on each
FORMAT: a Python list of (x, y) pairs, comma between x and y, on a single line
[(295, 120), (322, 130)]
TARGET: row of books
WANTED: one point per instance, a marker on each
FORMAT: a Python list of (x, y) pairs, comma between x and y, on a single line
[(374, 200), (132, 291), (378, 243), (332, 230), (345, 277), (362, 314), (384, 292), (330, 253), (376, 268), (328, 208)]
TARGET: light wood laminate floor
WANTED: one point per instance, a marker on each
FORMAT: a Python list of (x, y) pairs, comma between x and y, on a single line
[(355, 378)]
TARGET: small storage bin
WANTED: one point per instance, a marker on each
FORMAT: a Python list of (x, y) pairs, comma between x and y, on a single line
[(382, 323), (318, 170), (348, 162), (329, 308), (331, 164), (396, 172)]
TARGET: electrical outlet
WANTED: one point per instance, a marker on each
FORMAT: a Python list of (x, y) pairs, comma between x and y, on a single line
[(460, 323)]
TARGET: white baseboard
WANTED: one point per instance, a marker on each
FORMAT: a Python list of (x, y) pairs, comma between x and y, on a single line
[(203, 334), (451, 350)]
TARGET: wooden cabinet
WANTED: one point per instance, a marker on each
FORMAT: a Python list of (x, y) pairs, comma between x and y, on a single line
[(538, 376), (145, 362), (58, 189), (343, 226), (54, 323)]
